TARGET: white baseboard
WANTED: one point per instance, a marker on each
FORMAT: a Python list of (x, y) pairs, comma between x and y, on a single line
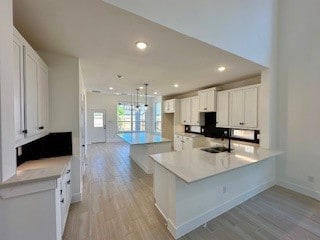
[(187, 227), (163, 215), (300, 189), (77, 197)]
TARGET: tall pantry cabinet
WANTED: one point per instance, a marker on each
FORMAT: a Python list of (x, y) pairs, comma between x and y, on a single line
[(30, 92)]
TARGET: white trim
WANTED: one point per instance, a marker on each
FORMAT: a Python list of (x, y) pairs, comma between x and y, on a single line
[(163, 215), (187, 227), (300, 189), (77, 197)]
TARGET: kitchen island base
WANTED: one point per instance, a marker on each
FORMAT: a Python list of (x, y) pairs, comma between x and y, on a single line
[(186, 206), (140, 153)]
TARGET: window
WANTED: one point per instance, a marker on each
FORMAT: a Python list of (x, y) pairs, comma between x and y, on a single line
[(129, 119), (97, 119), (157, 117)]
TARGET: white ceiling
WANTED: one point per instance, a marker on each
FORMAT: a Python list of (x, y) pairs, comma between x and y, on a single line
[(104, 37)]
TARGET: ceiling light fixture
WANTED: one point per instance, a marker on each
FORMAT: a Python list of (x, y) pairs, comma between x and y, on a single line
[(155, 93), (221, 69), (141, 45), (141, 87), (137, 104), (145, 97), (176, 85), (110, 88)]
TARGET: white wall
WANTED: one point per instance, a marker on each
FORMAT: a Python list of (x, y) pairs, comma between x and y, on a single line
[(7, 149), (298, 100), (64, 106), (109, 103), (244, 27)]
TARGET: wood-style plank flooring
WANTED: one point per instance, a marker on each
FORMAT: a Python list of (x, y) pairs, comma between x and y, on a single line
[(118, 204)]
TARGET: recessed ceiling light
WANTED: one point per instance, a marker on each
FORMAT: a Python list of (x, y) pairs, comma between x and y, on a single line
[(141, 45), (176, 85), (117, 93), (221, 69), (110, 88), (141, 87), (155, 93)]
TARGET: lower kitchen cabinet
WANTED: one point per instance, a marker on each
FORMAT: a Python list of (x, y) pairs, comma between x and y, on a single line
[(187, 142), (37, 208)]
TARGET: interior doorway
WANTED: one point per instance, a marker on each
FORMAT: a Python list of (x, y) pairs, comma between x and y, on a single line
[(97, 125)]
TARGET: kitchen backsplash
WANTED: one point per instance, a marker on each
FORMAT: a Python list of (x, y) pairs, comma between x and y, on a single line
[(52, 145)]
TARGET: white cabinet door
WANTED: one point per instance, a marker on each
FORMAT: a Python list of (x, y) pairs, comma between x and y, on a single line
[(211, 100), (169, 106), (207, 100), (195, 115), (185, 111), (223, 109), (31, 93), (250, 107), (43, 93), (236, 111), (244, 108), (18, 74), (187, 143), (202, 101)]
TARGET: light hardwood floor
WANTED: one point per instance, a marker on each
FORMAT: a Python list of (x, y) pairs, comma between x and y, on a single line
[(118, 204)]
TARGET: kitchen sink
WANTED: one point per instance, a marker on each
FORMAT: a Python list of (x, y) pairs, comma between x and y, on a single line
[(215, 149)]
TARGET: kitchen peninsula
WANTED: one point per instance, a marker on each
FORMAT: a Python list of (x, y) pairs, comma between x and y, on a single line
[(193, 186), (144, 144)]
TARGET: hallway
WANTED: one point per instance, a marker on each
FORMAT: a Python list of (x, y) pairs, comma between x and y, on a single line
[(118, 205)]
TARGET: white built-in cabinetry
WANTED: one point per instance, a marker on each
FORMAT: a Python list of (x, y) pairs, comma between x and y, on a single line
[(189, 111), (185, 111), (223, 109), (30, 92), (244, 108), (207, 100), (170, 106), (187, 142), (238, 108)]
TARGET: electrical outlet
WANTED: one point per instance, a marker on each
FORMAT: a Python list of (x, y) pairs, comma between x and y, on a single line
[(225, 132), (224, 189), (19, 151), (311, 179)]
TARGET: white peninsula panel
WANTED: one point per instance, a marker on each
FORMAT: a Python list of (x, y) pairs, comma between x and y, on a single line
[(192, 187)]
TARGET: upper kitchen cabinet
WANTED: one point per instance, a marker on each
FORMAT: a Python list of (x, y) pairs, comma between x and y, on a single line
[(170, 106), (18, 79), (222, 109), (244, 107), (185, 111), (30, 92), (207, 100)]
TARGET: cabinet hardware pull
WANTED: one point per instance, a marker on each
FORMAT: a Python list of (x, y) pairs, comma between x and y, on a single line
[(62, 201), (68, 171), (25, 131), (41, 127), (69, 182), (60, 191)]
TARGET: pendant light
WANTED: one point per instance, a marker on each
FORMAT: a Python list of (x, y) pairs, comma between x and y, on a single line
[(137, 105), (145, 96)]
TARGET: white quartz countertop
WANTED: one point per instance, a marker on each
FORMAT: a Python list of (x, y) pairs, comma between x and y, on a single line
[(142, 138), (38, 170), (194, 164), (192, 135)]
